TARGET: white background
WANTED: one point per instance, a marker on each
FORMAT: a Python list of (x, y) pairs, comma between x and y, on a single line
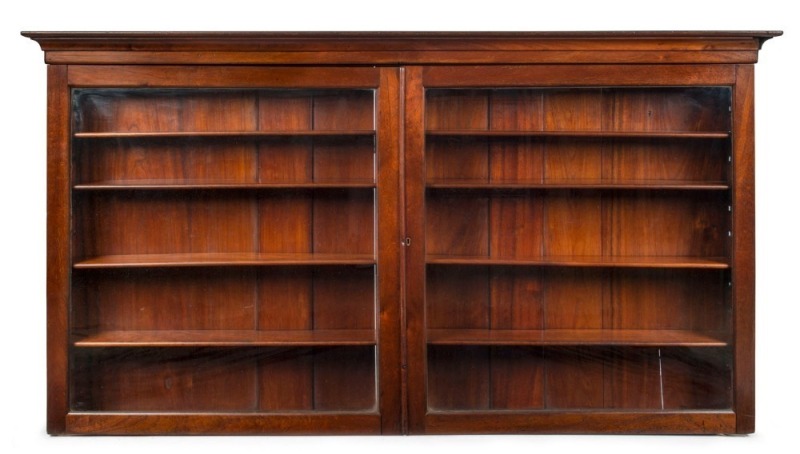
[(22, 197)]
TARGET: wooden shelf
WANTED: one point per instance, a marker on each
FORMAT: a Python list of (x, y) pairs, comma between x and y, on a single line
[(222, 259), (583, 184), (586, 134), (576, 337), (224, 134), (227, 338), (584, 261), (211, 184)]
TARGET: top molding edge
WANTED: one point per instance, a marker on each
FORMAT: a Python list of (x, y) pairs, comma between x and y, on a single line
[(404, 47)]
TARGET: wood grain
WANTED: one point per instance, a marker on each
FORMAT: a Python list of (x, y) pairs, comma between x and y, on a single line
[(59, 250), (743, 256)]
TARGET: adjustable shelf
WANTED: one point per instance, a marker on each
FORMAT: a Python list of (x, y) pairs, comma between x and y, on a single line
[(676, 185), (577, 337), (222, 259), (188, 185), (585, 261), (226, 338), (223, 134), (579, 134)]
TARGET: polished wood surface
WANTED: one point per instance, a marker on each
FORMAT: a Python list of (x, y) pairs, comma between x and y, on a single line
[(222, 259), (400, 232), (59, 155), (401, 48), (585, 261), (635, 338), (226, 338), (743, 249)]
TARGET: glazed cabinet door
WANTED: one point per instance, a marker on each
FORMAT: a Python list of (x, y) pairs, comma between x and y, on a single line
[(234, 255), (570, 266)]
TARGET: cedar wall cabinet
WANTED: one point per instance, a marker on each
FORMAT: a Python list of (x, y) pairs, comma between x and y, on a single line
[(371, 233)]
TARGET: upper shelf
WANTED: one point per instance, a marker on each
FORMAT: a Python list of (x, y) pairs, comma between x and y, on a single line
[(583, 134), (224, 134), (584, 261), (222, 259)]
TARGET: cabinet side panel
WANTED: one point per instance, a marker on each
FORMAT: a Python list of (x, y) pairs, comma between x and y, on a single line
[(58, 245), (743, 249)]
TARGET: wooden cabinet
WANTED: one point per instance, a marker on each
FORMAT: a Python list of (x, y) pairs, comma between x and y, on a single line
[(400, 233)]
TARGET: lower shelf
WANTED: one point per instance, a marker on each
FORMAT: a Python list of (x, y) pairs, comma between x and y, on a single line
[(582, 422), (576, 337), (364, 423)]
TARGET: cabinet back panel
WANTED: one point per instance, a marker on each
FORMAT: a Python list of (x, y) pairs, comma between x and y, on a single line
[(456, 109), (182, 110), (458, 379), (457, 297), (153, 160), (350, 160), (166, 299), (285, 223), (560, 378), (577, 223), (457, 159), (344, 222), (581, 109), (474, 297), (577, 160), (165, 110), (156, 222), (225, 380), (172, 380), (516, 298), (344, 110), (457, 225), (153, 223), (225, 299)]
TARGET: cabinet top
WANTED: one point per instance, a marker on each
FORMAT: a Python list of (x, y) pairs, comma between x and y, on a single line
[(386, 48)]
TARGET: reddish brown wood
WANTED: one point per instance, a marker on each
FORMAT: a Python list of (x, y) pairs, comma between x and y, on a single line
[(586, 261), (390, 230), (558, 184), (223, 259), (227, 338), (303, 234), (395, 57), (625, 337), (58, 249), (225, 77), (743, 249), (301, 423), (577, 76), (415, 279), (584, 421)]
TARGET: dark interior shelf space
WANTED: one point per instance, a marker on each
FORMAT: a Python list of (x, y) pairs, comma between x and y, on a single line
[(227, 338), (585, 261), (222, 259), (577, 337)]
